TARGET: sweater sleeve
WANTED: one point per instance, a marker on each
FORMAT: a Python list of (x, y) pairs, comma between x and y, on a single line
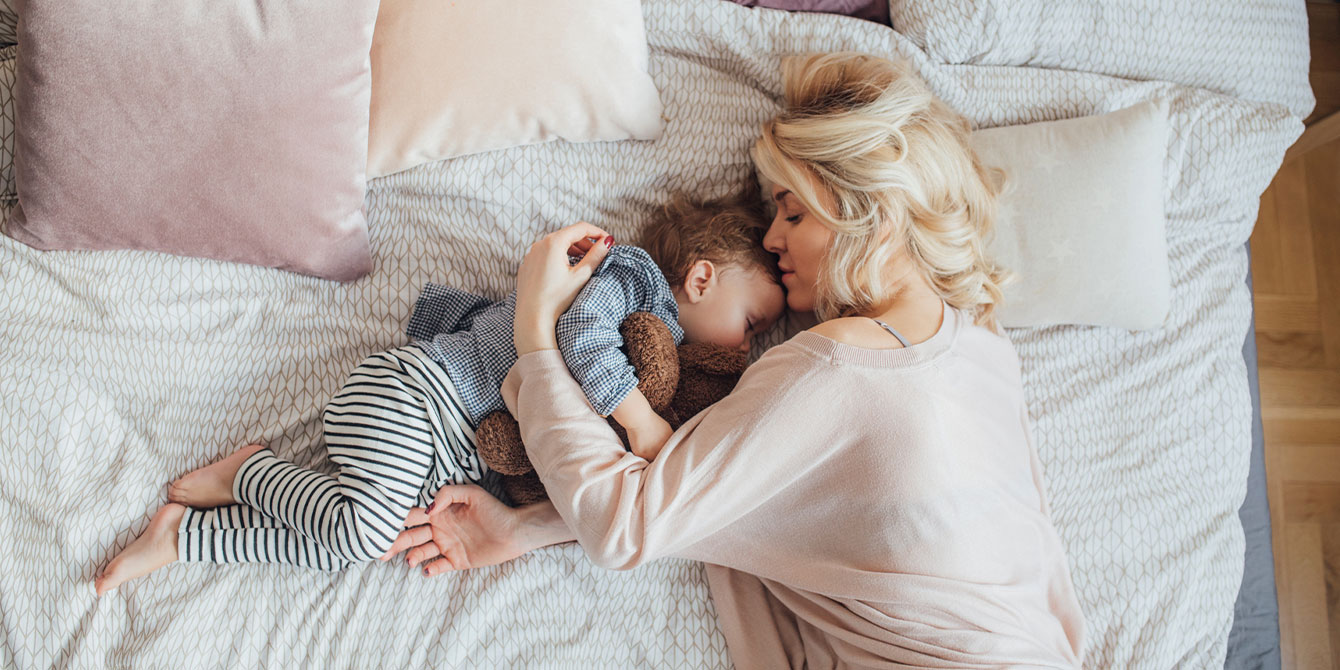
[(717, 467)]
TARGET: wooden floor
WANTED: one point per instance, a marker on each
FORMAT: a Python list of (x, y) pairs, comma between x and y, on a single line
[(1296, 268)]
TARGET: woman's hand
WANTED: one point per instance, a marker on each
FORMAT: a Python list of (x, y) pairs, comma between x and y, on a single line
[(546, 284), (466, 527)]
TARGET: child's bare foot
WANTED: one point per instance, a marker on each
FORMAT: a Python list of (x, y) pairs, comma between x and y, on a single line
[(153, 549), (211, 485)]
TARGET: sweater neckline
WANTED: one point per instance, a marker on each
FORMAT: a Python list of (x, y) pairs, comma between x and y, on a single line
[(841, 352)]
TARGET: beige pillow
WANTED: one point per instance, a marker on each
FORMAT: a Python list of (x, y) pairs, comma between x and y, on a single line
[(1081, 219), (460, 77)]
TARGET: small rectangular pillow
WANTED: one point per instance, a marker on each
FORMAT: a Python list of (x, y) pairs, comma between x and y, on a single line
[(226, 129), (460, 77), (1081, 219)]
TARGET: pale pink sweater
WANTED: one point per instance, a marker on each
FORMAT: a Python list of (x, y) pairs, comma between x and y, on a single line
[(855, 507)]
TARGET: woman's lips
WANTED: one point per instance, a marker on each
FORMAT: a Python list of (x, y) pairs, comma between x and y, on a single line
[(785, 275)]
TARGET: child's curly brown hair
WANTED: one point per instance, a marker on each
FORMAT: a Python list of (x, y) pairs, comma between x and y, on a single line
[(725, 231)]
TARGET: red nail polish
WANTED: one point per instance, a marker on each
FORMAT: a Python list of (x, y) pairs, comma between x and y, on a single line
[(431, 505), (609, 241), (425, 572)]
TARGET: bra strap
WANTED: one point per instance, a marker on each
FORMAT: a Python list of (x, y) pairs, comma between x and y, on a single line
[(893, 332)]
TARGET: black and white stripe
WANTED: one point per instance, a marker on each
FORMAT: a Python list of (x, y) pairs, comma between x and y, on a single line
[(397, 431)]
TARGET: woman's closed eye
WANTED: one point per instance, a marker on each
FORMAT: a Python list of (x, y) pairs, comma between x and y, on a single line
[(794, 218)]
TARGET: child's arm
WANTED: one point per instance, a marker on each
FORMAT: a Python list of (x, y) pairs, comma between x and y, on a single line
[(588, 335), (647, 431)]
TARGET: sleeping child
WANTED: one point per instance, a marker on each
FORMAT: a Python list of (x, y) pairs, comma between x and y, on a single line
[(402, 425)]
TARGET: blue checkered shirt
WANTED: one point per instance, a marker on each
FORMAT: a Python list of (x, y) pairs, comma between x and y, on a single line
[(471, 336)]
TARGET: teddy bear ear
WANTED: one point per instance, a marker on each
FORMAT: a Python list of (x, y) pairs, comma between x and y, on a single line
[(713, 359)]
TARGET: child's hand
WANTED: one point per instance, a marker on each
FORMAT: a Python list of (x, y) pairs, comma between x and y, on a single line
[(647, 431), (647, 439)]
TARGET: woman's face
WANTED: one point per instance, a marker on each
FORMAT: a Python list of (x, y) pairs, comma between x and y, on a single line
[(800, 240)]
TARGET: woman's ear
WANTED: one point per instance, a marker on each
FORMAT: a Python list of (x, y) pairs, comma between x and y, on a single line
[(700, 279)]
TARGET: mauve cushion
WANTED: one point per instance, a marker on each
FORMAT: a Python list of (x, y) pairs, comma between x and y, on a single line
[(870, 10), (226, 129)]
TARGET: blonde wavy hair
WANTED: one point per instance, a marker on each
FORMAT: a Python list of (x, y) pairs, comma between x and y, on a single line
[(895, 162)]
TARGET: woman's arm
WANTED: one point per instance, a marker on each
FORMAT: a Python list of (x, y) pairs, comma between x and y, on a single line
[(541, 526), (718, 467)]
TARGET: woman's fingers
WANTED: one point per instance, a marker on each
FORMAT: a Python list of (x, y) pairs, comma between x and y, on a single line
[(408, 538), (570, 235), (592, 259), (416, 517), (580, 247), (433, 568), (452, 558), (436, 568), (451, 494), (421, 553)]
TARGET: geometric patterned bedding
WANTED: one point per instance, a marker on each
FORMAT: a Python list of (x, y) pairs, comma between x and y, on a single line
[(122, 370)]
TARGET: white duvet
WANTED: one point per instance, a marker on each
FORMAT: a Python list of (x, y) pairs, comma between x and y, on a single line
[(122, 370)]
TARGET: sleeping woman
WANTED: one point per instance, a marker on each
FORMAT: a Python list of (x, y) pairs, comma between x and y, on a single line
[(402, 425), (869, 495)]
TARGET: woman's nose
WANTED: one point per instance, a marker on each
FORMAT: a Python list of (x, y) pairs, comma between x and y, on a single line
[(774, 238), (744, 346)]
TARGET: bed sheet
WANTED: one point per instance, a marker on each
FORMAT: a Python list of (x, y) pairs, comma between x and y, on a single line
[(121, 370), (1254, 641)]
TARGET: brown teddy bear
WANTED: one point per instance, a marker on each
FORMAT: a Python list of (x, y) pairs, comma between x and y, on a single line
[(678, 383)]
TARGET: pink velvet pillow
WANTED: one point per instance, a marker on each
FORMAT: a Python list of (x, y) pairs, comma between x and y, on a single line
[(226, 129), (870, 10)]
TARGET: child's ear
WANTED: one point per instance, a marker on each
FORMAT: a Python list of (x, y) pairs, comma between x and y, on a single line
[(700, 279)]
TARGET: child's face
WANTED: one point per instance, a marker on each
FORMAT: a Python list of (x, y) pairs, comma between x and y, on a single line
[(728, 306)]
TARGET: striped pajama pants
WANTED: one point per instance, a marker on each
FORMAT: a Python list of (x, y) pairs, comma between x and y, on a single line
[(396, 431)]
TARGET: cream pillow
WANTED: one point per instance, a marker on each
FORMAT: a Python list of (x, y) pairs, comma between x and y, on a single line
[(460, 77), (1081, 219)]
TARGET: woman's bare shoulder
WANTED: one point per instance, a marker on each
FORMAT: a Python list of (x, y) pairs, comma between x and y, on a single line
[(835, 328)]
